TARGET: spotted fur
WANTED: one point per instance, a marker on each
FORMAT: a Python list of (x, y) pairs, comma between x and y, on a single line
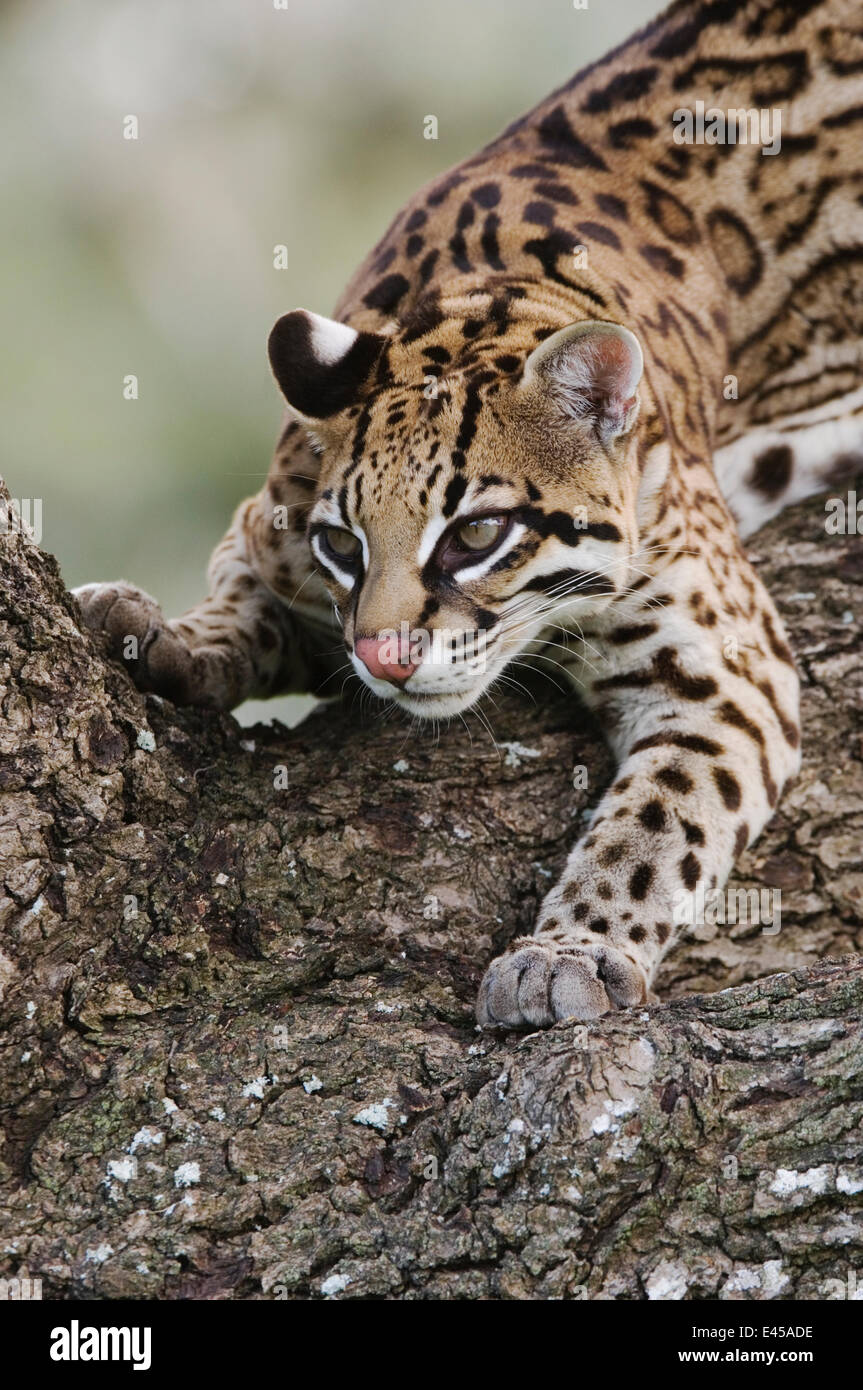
[(630, 351)]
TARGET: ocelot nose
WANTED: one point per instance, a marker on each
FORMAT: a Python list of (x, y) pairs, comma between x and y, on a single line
[(385, 658)]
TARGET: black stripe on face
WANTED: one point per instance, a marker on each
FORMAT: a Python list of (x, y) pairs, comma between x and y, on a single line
[(602, 531), (455, 491), (579, 581), (485, 619), (359, 442), (562, 526), (467, 429)]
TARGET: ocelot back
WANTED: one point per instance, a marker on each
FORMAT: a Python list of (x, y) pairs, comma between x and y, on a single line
[(569, 372)]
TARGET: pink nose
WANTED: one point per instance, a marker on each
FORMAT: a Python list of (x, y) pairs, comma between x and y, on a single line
[(385, 658)]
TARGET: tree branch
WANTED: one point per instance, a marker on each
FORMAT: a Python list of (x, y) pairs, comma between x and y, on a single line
[(239, 1053)]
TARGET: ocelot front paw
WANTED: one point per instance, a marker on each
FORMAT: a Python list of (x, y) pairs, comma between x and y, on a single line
[(536, 982), (139, 638)]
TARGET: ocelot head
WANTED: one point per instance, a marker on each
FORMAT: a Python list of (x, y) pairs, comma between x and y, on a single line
[(478, 482)]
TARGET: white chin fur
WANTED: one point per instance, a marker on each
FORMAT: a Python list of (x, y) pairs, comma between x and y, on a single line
[(435, 706), (426, 705)]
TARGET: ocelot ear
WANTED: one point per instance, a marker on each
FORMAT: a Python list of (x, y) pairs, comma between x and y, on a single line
[(321, 365), (592, 371)]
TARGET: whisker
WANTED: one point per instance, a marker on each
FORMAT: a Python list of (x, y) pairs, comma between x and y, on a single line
[(540, 656), (572, 678), (564, 647), (480, 715), (541, 613), (346, 666), (547, 676), (466, 725), (517, 685), (309, 576), (583, 577)]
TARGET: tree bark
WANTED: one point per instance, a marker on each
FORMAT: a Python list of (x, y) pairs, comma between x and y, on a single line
[(238, 971)]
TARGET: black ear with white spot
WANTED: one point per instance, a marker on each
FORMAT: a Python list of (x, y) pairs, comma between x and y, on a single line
[(592, 370), (320, 364)]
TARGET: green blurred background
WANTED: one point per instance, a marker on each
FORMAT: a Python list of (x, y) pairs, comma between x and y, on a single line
[(257, 126)]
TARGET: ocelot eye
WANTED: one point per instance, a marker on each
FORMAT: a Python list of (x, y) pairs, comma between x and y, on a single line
[(481, 533), (343, 544)]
